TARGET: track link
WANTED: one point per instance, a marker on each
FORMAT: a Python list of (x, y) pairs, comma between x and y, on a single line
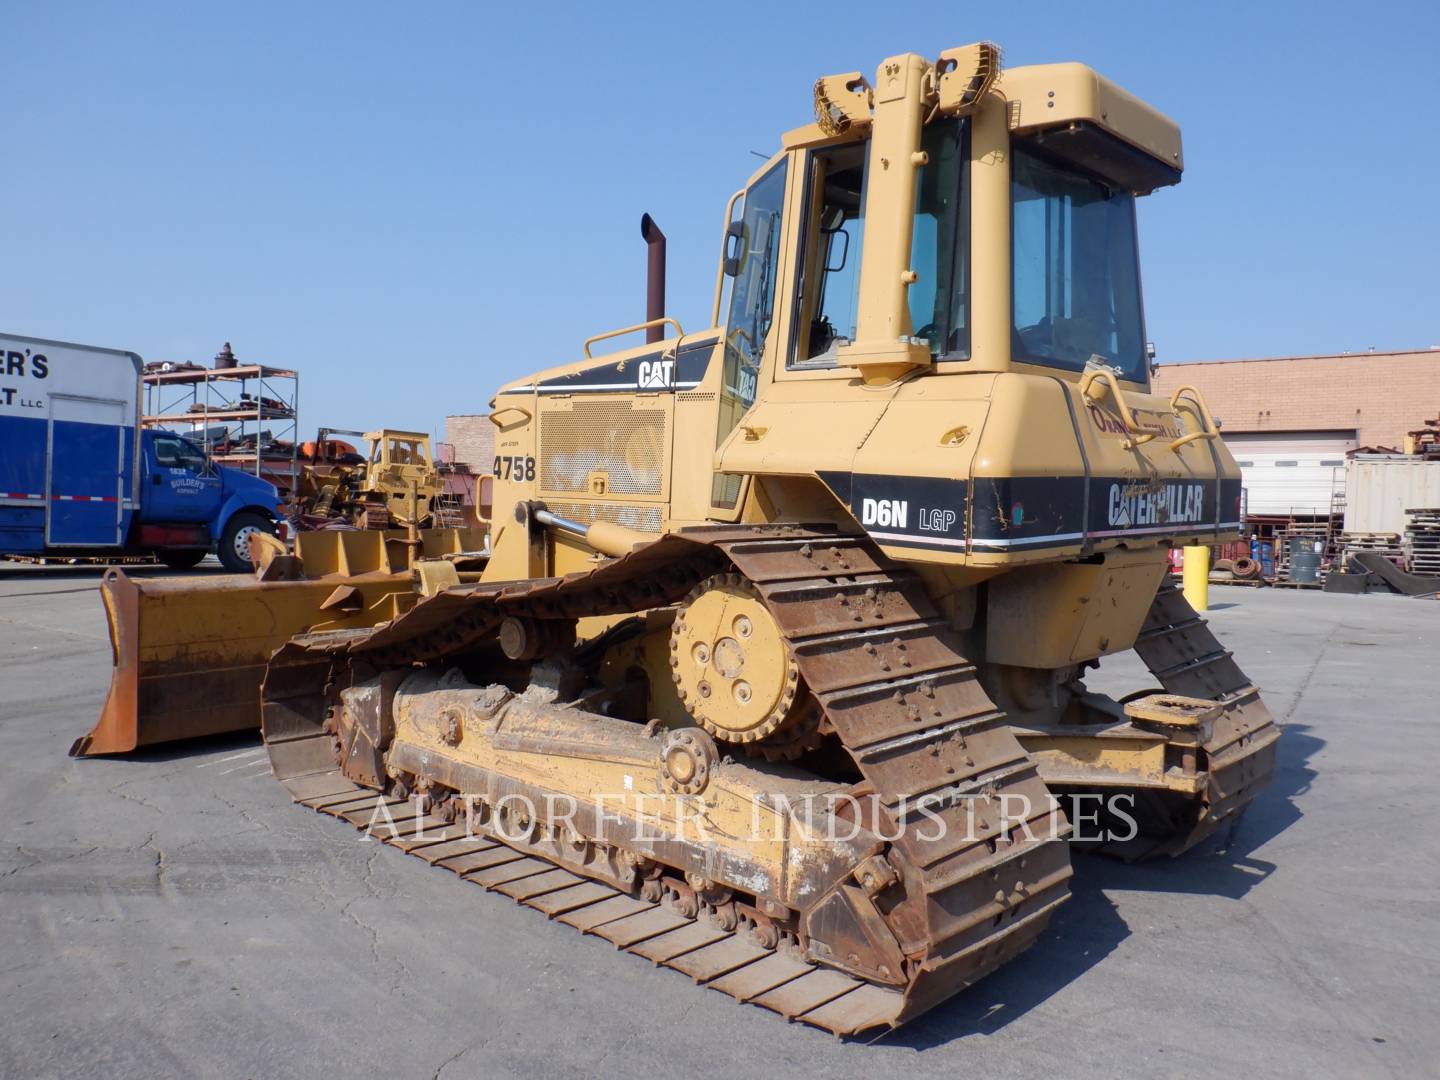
[(893, 686), (1182, 652), (726, 960), (909, 708)]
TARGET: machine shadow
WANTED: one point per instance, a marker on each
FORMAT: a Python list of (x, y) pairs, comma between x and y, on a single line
[(1089, 926), (91, 573), (1082, 933), (1225, 864), (184, 749)]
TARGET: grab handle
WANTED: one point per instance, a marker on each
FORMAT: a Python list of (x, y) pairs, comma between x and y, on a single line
[(1138, 435), (1208, 427)]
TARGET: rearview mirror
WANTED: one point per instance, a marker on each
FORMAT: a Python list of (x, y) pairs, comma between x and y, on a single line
[(831, 266), (734, 247)]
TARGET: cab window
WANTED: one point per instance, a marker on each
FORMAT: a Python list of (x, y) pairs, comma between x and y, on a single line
[(1076, 285), (940, 245), (177, 453), (406, 452), (754, 263), (829, 280)]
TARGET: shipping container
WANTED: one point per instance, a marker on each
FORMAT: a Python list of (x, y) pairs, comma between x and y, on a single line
[(1379, 488)]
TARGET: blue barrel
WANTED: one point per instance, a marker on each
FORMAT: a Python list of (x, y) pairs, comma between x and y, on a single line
[(1304, 559), (1267, 558)]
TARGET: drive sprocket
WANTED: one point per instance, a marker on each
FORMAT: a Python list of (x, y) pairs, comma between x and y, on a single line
[(734, 668)]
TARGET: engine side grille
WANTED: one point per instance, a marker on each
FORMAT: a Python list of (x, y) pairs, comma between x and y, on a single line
[(626, 442)]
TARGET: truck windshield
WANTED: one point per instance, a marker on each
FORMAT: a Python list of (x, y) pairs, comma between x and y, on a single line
[(1076, 275)]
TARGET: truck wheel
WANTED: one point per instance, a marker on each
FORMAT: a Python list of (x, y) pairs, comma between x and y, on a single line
[(181, 558), (234, 548)]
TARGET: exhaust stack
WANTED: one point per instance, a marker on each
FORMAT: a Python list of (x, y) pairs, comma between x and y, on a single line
[(654, 277)]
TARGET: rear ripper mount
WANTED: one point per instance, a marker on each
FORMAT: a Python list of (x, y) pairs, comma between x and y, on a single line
[(929, 887)]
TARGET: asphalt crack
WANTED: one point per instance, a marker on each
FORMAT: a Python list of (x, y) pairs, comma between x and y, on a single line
[(1310, 674), (39, 858), (453, 1058), (137, 799), (242, 811), (401, 972), (162, 880), (371, 893)]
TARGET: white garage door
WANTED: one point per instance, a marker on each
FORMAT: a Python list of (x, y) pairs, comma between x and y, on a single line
[(1292, 472)]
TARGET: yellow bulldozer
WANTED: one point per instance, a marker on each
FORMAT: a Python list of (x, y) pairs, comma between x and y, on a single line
[(775, 673), (397, 483)]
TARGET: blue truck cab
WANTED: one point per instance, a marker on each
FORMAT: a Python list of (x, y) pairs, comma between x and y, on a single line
[(190, 506), (80, 476)]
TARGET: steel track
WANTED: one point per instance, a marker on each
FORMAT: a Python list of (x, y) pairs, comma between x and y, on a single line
[(896, 690)]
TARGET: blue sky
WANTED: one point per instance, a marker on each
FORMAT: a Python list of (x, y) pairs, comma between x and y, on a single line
[(412, 203)]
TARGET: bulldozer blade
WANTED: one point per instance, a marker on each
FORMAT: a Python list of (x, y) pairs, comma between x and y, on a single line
[(390, 551), (189, 653)]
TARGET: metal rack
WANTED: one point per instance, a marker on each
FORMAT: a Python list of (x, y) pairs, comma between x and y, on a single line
[(1280, 529), (1320, 533), (258, 408), (1422, 540)]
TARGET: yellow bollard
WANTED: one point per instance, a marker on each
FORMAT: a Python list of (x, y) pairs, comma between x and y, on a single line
[(1197, 577)]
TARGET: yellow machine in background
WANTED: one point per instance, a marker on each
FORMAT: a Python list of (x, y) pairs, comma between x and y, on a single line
[(399, 483), (826, 577), (189, 656), (190, 653), (401, 480)]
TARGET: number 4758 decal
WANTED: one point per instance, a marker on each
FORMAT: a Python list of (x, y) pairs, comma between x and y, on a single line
[(514, 468)]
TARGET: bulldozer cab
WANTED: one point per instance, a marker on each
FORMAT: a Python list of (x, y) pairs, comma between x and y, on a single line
[(927, 324), (1059, 290), (401, 479), (1073, 262), (398, 456)]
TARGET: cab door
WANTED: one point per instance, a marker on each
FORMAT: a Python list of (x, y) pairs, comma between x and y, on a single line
[(180, 485), (755, 261)]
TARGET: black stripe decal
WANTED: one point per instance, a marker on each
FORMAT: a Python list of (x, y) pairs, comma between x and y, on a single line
[(650, 372), (923, 511), (1032, 512)]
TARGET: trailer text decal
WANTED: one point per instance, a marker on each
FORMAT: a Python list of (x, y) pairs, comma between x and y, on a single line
[(35, 365)]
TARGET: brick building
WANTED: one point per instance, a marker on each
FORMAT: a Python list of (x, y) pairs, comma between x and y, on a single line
[(470, 444), (1290, 420), (1373, 398), (472, 441)]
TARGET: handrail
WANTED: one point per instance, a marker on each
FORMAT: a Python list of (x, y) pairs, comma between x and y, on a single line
[(646, 325), (1139, 434), (1209, 429), (720, 273)]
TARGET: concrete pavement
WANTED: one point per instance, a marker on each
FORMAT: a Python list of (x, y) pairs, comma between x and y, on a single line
[(172, 914)]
